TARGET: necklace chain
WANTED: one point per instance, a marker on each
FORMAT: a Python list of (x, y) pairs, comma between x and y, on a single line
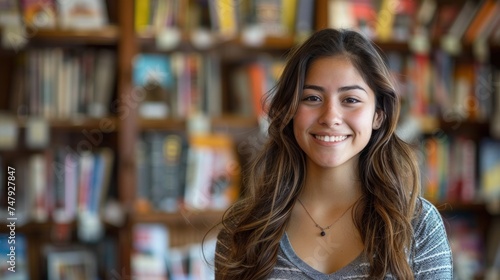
[(323, 229)]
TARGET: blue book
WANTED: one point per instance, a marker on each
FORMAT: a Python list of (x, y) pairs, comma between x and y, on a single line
[(13, 256), (489, 168), (152, 68)]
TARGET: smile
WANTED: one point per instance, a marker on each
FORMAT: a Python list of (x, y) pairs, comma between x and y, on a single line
[(327, 138)]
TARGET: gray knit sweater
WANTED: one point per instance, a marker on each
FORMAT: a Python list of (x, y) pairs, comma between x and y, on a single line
[(429, 256)]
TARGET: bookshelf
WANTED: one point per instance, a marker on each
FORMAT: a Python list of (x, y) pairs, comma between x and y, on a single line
[(123, 129)]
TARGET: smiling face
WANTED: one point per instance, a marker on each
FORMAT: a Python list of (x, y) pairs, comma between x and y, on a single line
[(336, 113)]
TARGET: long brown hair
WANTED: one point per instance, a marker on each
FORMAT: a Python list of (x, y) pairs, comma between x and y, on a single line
[(388, 172)]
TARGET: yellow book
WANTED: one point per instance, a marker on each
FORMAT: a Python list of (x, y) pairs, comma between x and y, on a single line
[(385, 20), (142, 16), (226, 17), (289, 15)]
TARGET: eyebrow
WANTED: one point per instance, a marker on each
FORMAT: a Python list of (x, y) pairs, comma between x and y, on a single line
[(341, 89)]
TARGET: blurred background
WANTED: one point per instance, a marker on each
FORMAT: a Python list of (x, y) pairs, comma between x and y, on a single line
[(126, 126)]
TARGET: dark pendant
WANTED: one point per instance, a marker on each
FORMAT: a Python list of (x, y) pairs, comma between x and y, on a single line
[(323, 233)]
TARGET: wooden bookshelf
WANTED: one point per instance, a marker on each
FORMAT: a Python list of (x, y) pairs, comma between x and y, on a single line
[(227, 121), (106, 124), (183, 217), (103, 36)]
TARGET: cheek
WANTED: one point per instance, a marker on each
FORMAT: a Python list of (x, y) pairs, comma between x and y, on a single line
[(299, 120), (364, 120)]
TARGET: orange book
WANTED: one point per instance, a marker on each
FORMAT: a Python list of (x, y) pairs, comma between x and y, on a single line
[(432, 190), (257, 77), (485, 13)]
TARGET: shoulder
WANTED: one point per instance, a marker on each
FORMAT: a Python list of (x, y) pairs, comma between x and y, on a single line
[(431, 252), (427, 218)]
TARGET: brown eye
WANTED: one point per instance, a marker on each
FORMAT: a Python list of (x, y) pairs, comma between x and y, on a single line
[(351, 100), (312, 98)]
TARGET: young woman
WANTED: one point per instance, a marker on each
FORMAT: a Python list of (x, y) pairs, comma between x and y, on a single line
[(334, 194)]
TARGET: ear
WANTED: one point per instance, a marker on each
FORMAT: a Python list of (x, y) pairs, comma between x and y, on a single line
[(378, 119)]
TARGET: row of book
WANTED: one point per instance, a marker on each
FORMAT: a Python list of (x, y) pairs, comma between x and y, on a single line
[(250, 82), (379, 19), (52, 13), (442, 86), (177, 85), (176, 172), (61, 261), (60, 185), (227, 18), (451, 22), (154, 258), (476, 250), (180, 85), (63, 83), (460, 170), (57, 83)]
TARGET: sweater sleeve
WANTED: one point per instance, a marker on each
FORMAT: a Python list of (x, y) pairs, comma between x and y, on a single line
[(432, 257)]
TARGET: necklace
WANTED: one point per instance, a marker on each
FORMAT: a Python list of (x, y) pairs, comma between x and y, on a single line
[(323, 229)]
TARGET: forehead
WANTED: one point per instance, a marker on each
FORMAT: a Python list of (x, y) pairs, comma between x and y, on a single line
[(337, 67)]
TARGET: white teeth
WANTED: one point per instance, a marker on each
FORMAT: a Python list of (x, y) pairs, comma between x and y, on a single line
[(327, 138)]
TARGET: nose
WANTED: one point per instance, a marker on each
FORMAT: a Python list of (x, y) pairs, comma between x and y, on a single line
[(331, 114)]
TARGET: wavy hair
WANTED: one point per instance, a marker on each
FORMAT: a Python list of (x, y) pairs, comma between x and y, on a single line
[(388, 171)]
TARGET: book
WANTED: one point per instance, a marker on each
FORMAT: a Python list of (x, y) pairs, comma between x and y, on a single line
[(495, 118), (70, 262), (82, 14), (178, 263), (223, 15), (240, 95), (213, 172), (101, 177), (257, 81), (467, 244), (288, 16), (153, 73), (103, 65), (268, 16), (10, 13), (150, 251), (213, 93), (304, 24), (493, 249), (38, 185), (430, 178), (364, 13), (39, 13), (85, 164), (462, 20), (340, 14), (444, 19), (167, 159), (143, 191), (59, 175), (468, 175), (489, 168), (141, 16), (14, 257), (201, 259), (485, 13), (385, 20)]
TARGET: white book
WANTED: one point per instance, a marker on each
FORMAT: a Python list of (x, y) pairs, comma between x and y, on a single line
[(82, 14), (38, 186)]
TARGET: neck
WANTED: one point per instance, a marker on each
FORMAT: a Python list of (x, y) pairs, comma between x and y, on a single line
[(331, 188)]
